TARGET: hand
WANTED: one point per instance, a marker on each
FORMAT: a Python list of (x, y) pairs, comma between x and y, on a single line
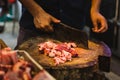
[(43, 21), (99, 22)]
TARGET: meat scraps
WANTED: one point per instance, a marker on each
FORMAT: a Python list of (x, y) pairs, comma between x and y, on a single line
[(20, 71), (8, 56), (11, 68), (60, 52), (14, 68)]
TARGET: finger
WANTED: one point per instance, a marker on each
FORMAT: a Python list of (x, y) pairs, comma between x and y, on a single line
[(47, 28), (95, 27), (104, 26), (104, 30)]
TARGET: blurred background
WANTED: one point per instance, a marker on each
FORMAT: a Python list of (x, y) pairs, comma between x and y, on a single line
[(9, 28)]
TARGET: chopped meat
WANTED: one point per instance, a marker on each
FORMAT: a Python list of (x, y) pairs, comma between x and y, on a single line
[(60, 52)]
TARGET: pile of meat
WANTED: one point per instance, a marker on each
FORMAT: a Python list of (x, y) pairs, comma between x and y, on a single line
[(60, 52), (13, 68)]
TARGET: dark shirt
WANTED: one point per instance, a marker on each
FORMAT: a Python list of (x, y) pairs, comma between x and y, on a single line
[(71, 12)]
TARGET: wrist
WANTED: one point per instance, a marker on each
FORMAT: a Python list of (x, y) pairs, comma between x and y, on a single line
[(95, 6), (94, 10)]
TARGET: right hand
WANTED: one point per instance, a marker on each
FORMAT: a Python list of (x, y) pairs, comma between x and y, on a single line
[(43, 21)]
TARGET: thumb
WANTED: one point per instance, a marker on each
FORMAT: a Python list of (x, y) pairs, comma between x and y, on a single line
[(55, 20)]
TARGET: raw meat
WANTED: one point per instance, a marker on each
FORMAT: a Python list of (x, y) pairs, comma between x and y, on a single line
[(60, 52)]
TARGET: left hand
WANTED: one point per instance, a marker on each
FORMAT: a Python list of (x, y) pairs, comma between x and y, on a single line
[(99, 22)]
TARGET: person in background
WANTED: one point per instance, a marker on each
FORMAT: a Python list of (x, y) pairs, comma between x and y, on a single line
[(3, 11), (39, 14), (4, 7)]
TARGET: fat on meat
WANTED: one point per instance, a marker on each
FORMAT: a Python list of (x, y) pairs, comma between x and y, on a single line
[(60, 52)]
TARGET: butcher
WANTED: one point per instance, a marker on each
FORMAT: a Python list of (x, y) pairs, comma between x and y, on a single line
[(37, 16)]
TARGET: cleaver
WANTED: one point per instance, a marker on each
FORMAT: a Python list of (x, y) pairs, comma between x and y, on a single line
[(65, 32)]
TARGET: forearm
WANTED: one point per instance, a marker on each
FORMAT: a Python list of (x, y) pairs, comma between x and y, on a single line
[(95, 5), (32, 6)]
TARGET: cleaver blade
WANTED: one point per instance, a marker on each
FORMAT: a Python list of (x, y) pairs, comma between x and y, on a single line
[(65, 32)]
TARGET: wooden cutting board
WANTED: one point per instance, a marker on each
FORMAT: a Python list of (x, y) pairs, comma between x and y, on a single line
[(87, 57)]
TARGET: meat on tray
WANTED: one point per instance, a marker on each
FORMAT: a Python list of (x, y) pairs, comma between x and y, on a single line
[(8, 56), (14, 68), (60, 52)]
